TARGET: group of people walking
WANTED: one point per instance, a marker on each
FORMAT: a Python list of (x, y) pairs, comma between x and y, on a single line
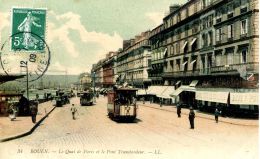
[(192, 115)]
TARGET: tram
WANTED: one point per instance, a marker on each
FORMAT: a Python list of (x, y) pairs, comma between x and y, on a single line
[(86, 98), (122, 104)]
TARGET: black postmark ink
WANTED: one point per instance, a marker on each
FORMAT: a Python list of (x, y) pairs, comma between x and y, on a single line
[(20, 60)]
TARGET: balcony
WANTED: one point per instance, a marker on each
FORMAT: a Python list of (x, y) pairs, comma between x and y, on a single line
[(218, 20), (242, 36), (234, 68), (230, 15), (217, 70), (182, 73), (243, 10)]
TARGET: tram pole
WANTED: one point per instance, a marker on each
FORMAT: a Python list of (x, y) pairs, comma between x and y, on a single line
[(27, 83)]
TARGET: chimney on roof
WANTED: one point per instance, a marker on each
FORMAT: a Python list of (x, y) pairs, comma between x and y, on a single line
[(126, 43), (174, 7)]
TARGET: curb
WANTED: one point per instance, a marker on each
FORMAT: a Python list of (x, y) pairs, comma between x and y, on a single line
[(203, 117), (28, 132)]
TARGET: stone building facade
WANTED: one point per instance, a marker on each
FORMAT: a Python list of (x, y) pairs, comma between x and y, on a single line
[(134, 60), (208, 47)]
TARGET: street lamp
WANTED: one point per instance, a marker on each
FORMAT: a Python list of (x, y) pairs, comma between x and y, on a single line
[(27, 82)]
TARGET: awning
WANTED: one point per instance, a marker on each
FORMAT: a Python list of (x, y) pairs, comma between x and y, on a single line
[(192, 42), (193, 83), (152, 90), (165, 51), (160, 90), (181, 89), (141, 92), (192, 62), (250, 98), (184, 63), (178, 82), (218, 97), (166, 93), (184, 45)]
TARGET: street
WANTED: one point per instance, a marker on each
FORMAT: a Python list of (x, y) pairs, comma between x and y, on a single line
[(155, 134)]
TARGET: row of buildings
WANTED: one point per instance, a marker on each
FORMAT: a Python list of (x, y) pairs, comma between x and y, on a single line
[(206, 50)]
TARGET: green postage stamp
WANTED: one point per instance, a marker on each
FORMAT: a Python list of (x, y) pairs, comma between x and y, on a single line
[(28, 29)]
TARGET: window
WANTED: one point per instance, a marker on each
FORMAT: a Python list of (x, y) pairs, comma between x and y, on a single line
[(203, 3), (230, 8), (230, 31), (178, 63), (209, 61), (178, 17), (244, 26), (218, 35), (171, 64), (230, 58), (218, 60), (185, 64), (210, 21), (195, 28), (244, 3), (218, 15), (186, 30), (204, 40), (244, 56), (210, 35), (177, 48), (194, 63)]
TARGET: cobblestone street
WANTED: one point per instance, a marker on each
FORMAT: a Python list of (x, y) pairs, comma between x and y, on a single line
[(155, 134)]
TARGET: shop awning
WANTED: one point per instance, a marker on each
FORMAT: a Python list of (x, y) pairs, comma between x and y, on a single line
[(211, 96), (181, 89), (178, 82), (193, 83), (166, 93), (141, 92), (152, 90), (160, 90), (249, 98)]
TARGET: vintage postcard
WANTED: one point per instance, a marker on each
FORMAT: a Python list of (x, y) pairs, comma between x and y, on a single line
[(141, 79)]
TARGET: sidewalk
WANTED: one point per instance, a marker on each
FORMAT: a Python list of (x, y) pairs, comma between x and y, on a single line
[(185, 111), (23, 126)]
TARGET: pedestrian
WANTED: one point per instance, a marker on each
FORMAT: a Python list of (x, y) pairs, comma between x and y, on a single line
[(217, 113), (143, 100), (191, 118), (161, 102), (73, 111), (179, 110), (134, 101), (12, 112), (34, 111)]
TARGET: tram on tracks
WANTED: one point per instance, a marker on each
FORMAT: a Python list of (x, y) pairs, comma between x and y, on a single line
[(86, 98), (122, 104)]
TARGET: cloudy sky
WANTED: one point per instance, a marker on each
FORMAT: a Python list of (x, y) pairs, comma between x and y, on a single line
[(81, 32)]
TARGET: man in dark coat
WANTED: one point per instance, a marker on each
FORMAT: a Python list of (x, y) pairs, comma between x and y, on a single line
[(217, 113), (179, 110), (191, 118), (23, 106), (34, 111)]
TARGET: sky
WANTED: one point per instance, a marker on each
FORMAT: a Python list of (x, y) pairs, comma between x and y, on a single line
[(81, 32)]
